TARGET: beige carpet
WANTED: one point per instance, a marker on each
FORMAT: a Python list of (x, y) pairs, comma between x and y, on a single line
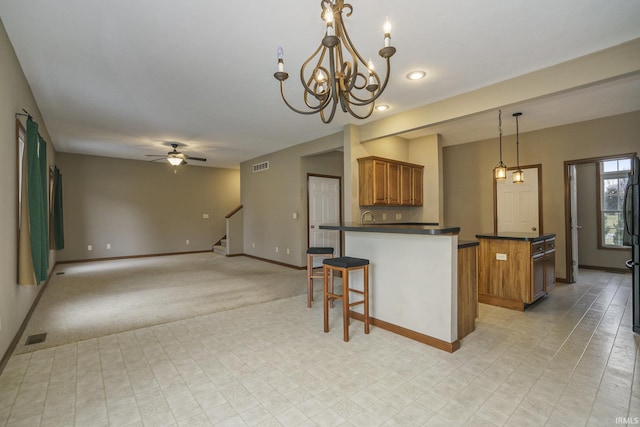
[(100, 298)]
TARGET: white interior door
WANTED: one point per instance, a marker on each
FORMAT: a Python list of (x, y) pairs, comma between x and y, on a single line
[(324, 208), (517, 204), (573, 194)]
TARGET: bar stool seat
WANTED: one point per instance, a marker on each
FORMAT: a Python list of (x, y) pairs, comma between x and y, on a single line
[(345, 265), (315, 251)]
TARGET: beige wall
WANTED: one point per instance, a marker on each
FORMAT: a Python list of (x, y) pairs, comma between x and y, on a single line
[(468, 185), (588, 252), (142, 208), (15, 94), (270, 198)]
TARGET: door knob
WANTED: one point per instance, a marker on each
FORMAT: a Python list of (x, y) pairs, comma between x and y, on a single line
[(313, 226)]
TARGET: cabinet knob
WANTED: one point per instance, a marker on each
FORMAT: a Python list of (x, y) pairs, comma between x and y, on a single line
[(534, 228)]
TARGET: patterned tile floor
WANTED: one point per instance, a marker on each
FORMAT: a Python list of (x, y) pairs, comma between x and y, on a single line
[(569, 360)]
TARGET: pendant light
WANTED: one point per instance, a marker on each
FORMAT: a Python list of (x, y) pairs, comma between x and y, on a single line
[(518, 175), (500, 171)]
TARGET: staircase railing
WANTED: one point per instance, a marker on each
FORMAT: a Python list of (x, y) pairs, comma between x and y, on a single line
[(235, 233)]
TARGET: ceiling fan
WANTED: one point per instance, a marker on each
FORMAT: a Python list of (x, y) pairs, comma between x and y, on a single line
[(175, 157)]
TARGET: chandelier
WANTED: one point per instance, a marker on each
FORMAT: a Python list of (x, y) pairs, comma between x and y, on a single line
[(336, 73)]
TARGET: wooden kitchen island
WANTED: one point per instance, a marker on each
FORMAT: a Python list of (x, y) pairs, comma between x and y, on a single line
[(413, 281), (515, 269)]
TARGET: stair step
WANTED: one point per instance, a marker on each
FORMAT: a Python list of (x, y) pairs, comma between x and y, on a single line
[(223, 242), (221, 250)]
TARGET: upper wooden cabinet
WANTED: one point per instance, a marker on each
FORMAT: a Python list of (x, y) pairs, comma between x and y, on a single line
[(389, 182)]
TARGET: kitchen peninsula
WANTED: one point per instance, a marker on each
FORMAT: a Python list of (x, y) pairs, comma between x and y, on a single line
[(413, 281)]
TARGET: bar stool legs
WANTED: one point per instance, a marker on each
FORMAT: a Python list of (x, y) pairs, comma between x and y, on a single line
[(312, 252), (345, 265)]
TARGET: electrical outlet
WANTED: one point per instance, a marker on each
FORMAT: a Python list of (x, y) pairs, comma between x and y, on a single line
[(276, 249), (384, 216), (90, 248), (253, 244), (294, 215), (108, 245), (288, 251), (398, 216), (501, 257), (187, 241), (205, 216)]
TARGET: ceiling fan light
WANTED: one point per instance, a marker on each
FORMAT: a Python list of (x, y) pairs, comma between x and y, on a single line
[(175, 161)]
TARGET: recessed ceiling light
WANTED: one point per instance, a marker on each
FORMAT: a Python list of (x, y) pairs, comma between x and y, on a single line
[(382, 107), (416, 75)]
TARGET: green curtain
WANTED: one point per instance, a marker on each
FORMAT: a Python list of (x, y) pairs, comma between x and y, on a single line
[(38, 213), (58, 223)]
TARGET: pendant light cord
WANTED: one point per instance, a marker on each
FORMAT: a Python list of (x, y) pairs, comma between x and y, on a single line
[(500, 129), (517, 142)]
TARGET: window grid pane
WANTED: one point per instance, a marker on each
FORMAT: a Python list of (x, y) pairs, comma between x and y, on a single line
[(613, 183)]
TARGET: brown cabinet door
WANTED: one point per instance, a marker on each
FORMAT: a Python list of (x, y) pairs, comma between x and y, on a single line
[(537, 279), (416, 187), (406, 185), (379, 182), (393, 183), (549, 270)]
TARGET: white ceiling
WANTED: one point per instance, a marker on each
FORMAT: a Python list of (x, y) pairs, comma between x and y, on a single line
[(124, 78)]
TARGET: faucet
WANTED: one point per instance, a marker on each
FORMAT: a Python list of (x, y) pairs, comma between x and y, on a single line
[(364, 213)]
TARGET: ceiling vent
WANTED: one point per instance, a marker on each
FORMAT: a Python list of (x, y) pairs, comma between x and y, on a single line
[(259, 167)]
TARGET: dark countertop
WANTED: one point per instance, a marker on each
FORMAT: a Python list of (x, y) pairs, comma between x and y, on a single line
[(529, 237), (467, 243), (398, 228)]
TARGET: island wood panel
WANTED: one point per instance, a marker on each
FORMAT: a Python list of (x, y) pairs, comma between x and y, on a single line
[(504, 282), (467, 290)]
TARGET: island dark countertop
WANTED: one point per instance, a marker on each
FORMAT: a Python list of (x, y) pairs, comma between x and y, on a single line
[(398, 228), (529, 237)]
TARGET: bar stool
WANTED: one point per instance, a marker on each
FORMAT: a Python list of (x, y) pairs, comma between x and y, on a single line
[(345, 265), (312, 252)]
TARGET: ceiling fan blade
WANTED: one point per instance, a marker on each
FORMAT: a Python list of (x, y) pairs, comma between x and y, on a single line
[(155, 155), (200, 159)]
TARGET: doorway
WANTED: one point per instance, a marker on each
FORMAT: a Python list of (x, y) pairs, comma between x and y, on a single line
[(324, 202), (573, 223)]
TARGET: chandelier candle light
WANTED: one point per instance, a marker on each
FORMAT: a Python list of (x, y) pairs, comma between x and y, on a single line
[(500, 171), (340, 75), (518, 174)]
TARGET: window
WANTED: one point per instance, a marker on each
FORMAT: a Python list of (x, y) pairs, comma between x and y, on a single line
[(612, 180)]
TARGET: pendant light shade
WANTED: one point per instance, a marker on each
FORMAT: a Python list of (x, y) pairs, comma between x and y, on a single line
[(500, 171), (518, 174)]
